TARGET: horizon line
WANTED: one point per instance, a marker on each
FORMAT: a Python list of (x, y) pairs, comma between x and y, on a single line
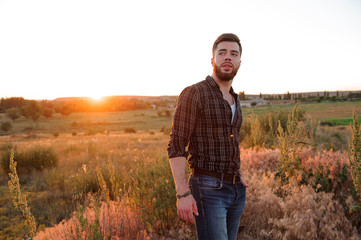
[(170, 95)]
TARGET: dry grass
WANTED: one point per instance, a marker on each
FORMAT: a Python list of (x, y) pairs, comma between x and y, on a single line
[(314, 204), (115, 220), (273, 210)]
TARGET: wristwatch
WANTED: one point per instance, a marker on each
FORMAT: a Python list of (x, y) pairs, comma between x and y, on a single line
[(183, 195)]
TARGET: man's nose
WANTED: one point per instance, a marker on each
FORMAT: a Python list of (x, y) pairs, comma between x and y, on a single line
[(228, 57)]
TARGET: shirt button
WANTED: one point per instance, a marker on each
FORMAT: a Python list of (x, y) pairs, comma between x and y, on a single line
[(232, 136)]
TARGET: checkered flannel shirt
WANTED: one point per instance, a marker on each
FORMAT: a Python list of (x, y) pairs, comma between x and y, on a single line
[(203, 121)]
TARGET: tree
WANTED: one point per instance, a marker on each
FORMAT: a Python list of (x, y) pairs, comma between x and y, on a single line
[(31, 110), (34, 110), (47, 112), (7, 103), (242, 96), (13, 113), (287, 96), (25, 111), (66, 110)]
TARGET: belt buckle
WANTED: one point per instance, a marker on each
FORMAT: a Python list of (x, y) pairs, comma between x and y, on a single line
[(234, 179)]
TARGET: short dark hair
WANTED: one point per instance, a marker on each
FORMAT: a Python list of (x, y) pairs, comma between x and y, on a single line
[(227, 37)]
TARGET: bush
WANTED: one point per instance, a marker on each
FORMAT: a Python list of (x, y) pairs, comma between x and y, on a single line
[(261, 130), (130, 130), (295, 210), (6, 126), (94, 131), (34, 159)]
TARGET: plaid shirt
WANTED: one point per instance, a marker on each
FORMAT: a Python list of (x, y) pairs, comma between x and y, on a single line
[(202, 121)]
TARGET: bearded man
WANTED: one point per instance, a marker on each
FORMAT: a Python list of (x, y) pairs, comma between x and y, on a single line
[(205, 130)]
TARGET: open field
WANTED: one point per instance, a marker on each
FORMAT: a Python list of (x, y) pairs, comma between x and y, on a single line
[(84, 122), (137, 198), (149, 120), (319, 111)]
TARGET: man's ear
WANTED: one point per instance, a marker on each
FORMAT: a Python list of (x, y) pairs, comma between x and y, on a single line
[(212, 61)]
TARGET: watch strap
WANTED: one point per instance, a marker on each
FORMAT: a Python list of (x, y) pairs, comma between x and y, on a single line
[(183, 195)]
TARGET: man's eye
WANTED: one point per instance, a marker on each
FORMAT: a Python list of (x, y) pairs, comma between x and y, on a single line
[(221, 53)]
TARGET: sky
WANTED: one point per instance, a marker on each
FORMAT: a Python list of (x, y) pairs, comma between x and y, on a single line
[(93, 48)]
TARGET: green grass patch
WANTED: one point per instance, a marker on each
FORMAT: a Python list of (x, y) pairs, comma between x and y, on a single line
[(338, 121)]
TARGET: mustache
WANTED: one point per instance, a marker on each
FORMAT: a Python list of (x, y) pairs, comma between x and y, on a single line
[(227, 63)]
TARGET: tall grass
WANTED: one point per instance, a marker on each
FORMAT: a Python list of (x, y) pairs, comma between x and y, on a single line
[(144, 186), (37, 158), (355, 159), (291, 142), (19, 200)]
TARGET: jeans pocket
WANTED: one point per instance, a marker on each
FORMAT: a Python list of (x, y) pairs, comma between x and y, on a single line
[(209, 183)]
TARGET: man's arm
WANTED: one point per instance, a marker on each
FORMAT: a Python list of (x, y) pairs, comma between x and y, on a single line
[(184, 120), (186, 206)]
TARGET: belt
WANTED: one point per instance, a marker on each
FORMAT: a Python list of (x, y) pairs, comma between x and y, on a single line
[(233, 178)]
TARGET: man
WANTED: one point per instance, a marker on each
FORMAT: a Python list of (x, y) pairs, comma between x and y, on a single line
[(207, 119)]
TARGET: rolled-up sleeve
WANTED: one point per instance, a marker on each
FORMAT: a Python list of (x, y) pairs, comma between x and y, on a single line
[(184, 120)]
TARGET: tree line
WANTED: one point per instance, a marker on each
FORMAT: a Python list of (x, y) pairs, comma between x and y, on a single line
[(16, 107), (308, 97)]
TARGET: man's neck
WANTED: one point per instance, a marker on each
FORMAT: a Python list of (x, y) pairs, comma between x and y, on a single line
[(224, 86)]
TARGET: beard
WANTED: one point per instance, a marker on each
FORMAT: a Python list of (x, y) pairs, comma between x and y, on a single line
[(226, 77)]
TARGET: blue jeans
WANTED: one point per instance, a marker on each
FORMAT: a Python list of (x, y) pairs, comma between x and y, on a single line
[(220, 207)]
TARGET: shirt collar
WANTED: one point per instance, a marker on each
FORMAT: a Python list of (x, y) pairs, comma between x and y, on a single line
[(213, 84)]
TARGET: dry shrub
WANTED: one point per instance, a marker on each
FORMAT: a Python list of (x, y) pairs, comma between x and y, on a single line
[(262, 204), (259, 159), (328, 159), (116, 222), (309, 215), (275, 210)]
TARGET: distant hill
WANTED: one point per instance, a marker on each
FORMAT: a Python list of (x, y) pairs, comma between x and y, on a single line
[(121, 97), (248, 96)]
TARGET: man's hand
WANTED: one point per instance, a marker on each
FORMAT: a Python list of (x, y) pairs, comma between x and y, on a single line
[(186, 206), (244, 182)]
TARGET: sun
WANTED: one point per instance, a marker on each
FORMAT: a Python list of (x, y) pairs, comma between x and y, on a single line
[(96, 97)]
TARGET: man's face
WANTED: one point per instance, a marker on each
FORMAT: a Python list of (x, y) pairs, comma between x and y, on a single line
[(226, 60)]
